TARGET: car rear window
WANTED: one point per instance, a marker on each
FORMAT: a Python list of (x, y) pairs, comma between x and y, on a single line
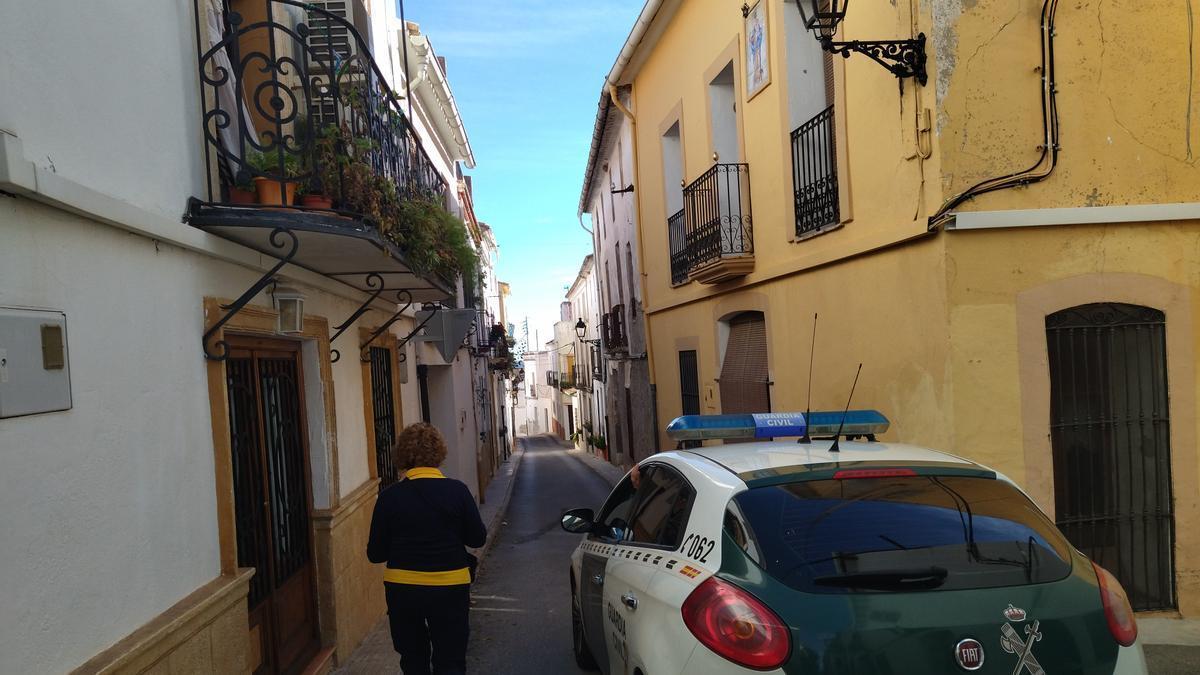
[(893, 534)]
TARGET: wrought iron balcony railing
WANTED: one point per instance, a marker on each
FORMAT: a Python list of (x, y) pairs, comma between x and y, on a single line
[(677, 234), (814, 174), (297, 106), (717, 216), (615, 336)]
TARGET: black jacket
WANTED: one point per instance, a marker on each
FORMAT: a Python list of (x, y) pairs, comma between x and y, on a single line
[(423, 524)]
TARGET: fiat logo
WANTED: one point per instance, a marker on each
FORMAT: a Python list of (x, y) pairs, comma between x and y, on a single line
[(969, 654)]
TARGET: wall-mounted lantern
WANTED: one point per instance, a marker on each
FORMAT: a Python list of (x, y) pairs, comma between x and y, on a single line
[(581, 332), (289, 302), (903, 58)]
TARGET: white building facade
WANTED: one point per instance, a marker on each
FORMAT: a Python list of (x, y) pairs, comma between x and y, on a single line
[(182, 363), (583, 297), (608, 198)]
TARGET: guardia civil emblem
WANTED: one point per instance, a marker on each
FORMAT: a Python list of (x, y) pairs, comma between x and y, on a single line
[(1022, 647)]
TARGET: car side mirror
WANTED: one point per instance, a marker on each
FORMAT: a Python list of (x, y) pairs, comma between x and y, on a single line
[(578, 521)]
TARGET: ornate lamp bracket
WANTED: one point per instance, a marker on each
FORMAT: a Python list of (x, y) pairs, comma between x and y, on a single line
[(373, 280), (902, 58), (220, 348), (401, 296)]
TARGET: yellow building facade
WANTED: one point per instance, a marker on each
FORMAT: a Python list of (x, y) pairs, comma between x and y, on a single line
[(1041, 324)]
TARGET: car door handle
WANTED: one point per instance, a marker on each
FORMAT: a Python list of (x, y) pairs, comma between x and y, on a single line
[(598, 580), (630, 600)]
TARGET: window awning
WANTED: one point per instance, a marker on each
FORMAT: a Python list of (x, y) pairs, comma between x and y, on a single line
[(342, 248)]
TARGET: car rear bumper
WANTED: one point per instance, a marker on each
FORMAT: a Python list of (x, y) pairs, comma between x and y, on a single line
[(1131, 661)]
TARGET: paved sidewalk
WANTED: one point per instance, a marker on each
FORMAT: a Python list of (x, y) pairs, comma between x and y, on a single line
[(375, 654), (607, 471)]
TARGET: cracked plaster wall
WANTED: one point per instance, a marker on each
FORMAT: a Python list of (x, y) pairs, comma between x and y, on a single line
[(1128, 103)]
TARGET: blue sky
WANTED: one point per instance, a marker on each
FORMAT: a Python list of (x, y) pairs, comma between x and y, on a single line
[(527, 76)]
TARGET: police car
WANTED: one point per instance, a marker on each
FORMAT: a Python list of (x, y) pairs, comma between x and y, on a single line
[(833, 556)]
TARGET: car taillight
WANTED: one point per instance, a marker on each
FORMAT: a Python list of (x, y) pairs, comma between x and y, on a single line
[(736, 626), (1121, 623)]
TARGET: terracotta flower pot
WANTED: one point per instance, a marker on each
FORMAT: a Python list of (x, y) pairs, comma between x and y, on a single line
[(239, 196), (269, 193), (316, 201)]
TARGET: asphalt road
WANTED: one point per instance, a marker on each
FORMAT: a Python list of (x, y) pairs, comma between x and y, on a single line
[(521, 612)]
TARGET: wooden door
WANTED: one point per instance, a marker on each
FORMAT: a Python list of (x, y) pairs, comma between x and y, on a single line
[(273, 501)]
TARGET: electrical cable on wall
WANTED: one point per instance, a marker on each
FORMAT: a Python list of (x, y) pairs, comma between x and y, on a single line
[(1048, 157)]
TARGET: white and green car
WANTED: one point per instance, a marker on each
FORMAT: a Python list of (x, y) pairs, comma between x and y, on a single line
[(833, 556)]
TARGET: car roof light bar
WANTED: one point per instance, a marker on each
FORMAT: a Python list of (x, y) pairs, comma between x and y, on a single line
[(775, 425), (858, 423)]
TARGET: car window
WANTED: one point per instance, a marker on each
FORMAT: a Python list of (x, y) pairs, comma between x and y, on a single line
[(614, 515), (663, 503), (902, 533), (739, 531)]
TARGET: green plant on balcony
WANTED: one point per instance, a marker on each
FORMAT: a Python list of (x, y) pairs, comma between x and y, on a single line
[(433, 239), (275, 180), (599, 442)]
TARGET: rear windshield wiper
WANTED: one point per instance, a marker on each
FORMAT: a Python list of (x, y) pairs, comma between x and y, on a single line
[(917, 578)]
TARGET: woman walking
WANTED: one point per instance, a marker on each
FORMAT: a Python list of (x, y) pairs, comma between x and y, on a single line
[(420, 528)]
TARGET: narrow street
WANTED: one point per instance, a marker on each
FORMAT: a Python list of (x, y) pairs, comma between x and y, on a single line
[(520, 619)]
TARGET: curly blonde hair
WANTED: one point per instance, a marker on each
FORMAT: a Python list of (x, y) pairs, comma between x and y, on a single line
[(419, 444)]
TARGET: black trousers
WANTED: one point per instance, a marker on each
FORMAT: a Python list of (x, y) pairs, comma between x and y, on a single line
[(430, 626)]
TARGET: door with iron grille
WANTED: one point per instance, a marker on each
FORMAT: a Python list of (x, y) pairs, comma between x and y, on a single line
[(1110, 434), (272, 502), (383, 409), (689, 388)]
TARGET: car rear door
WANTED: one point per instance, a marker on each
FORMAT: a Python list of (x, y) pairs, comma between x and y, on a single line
[(659, 518)]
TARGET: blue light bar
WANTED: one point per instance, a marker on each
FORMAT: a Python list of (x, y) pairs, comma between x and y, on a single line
[(757, 425), (776, 425), (858, 423)]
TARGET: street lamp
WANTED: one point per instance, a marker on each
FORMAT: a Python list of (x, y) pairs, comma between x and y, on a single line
[(902, 58), (581, 331)]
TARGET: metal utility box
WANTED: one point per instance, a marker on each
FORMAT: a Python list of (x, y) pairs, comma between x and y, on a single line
[(35, 371)]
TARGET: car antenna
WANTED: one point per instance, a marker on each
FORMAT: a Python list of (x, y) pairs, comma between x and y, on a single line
[(834, 447), (812, 347)]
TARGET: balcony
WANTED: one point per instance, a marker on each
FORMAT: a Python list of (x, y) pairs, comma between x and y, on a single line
[(814, 175), (718, 237), (303, 133), (566, 382), (612, 330), (679, 252)]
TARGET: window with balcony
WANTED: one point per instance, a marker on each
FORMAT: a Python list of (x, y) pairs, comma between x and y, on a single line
[(813, 141), (307, 144)]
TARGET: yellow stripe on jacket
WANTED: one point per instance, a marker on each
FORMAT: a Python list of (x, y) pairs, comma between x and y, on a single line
[(415, 578)]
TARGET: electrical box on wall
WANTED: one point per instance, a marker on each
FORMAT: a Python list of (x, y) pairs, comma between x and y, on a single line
[(35, 372)]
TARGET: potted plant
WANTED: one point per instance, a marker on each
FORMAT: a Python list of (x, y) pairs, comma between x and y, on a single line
[(274, 185), (313, 198), (601, 445), (242, 189)]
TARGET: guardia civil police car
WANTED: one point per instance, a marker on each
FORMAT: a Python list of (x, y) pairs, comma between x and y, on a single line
[(833, 557)]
